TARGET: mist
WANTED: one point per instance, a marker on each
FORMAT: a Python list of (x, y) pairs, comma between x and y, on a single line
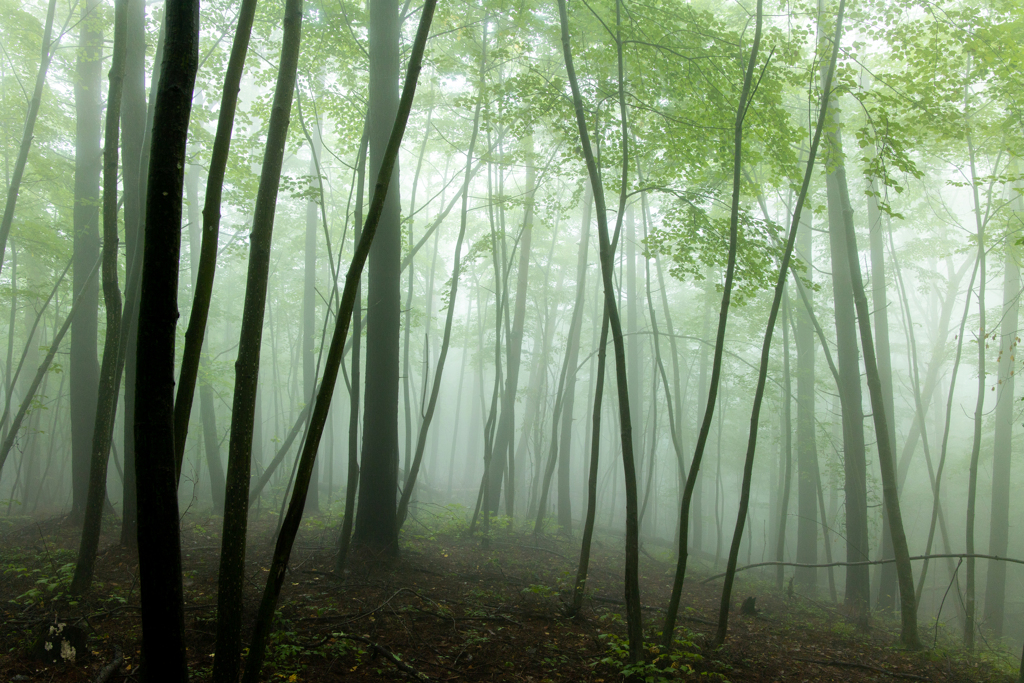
[(802, 257)]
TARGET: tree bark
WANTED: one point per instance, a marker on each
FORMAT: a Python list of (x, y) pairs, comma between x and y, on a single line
[(135, 130), (84, 368), (375, 523), (163, 615)]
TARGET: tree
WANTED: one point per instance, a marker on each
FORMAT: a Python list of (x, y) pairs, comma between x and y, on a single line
[(995, 586), (110, 372), (632, 587), (376, 519), (163, 612), (858, 583), (84, 368), (18, 172)]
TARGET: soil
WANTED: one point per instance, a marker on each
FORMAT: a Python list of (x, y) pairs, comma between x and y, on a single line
[(450, 608)]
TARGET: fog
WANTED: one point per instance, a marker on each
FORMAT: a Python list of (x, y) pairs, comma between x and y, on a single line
[(919, 155)]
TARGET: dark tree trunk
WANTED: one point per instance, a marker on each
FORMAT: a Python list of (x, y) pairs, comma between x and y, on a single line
[(309, 309), (84, 369), (514, 347), (886, 461), (163, 615), (247, 363), (352, 480), (376, 520)]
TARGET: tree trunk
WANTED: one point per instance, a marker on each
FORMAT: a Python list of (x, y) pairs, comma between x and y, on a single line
[(887, 579), (163, 615), (513, 348), (247, 363), (135, 128), (375, 523), (309, 308), (999, 522), (886, 461), (352, 479), (855, 465), (786, 446), (14, 186), (972, 485), (110, 373), (634, 624), (806, 448), (84, 369)]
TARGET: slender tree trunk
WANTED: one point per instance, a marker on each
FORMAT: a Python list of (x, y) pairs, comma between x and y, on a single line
[(309, 309), (84, 369), (668, 629), (972, 485), (514, 347), (595, 449), (886, 461), (887, 579), (854, 461), (999, 522), (135, 127), (806, 448), (247, 364), (634, 624), (786, 446), (407, 324), (376, 521), (163, 615), (352, 479), (110, 373), (14, 186)]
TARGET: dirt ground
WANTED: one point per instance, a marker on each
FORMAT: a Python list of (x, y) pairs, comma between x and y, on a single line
[(448, 610)]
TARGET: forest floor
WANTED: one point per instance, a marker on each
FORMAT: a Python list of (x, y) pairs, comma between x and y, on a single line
[(448, 610)]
